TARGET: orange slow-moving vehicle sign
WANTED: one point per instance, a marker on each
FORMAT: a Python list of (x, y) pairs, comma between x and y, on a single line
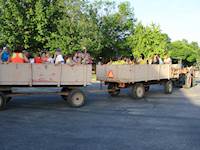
[(110, 74)]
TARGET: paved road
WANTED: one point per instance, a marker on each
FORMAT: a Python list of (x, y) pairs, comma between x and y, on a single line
[(157, 122)]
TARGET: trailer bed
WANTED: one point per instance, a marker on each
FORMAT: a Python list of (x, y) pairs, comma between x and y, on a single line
[(136, 73), (138, 77), (44, 75)]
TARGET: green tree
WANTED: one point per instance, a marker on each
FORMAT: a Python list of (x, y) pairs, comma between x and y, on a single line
[(39, 24), (188, 52), (148, 40), (29, 23), (115, 25), (76, 30)]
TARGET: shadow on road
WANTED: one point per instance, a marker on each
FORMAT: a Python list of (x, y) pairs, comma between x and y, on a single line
[(159, 121)]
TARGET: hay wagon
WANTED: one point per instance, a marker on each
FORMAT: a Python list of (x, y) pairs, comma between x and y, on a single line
[(138, 77), (70, 78)]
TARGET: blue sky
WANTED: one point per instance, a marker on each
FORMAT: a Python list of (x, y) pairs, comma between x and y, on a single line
[(178, 18)]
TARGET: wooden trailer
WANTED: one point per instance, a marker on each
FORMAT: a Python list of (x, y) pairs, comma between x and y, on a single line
[(138, 77), (70, 78)]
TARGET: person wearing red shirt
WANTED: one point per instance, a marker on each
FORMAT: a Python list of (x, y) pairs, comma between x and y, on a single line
[(18, 56), (38, 59)]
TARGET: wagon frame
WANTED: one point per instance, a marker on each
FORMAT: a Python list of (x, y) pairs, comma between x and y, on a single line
[(69, 78), (138, 77)]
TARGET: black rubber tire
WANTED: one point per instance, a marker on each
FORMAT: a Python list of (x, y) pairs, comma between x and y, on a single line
[(180, 82), (65, 89), (168, 87), (2, 101), (76, 98), (147, 88), (8, 99), (113, 90), (138, 91)]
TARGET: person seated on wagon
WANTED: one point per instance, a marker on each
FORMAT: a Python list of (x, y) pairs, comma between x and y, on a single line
[(142, 60), (31, 58), (69, 60), (160, 59), (119, 61), (18, 56), (59, 57), (44, 57), (150, 60), (115, 61), (167, 59), (130, 61), (155, 59), (37, 58), (86, 57), (49, 58), (109, 61), (5, 55), (77, 57)]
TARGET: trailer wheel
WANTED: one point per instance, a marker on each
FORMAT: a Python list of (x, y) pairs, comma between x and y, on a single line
[(2, 101), (76, 98), (168, 87), (147, 88), (180, 82), (8, 99), (67, 90), (113, 90), (138, 91)]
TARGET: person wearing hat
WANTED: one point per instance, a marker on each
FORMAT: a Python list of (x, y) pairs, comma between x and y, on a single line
[(59, 57), (86, 58)]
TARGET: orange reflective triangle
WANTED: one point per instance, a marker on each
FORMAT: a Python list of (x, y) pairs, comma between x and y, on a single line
[(110, 74)]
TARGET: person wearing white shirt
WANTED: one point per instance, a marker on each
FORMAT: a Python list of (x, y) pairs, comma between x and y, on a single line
[(58, 57), (167, 60)]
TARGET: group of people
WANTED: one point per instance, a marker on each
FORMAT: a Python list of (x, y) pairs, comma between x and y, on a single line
[(156, 59), (21, 56), (79, 57)]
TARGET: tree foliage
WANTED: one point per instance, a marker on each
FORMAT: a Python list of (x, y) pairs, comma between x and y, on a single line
[(116, 27), (29, 23), (77, 29), (39, 24), (188, 52), (148, 40), (105, 28), (68, 24)]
